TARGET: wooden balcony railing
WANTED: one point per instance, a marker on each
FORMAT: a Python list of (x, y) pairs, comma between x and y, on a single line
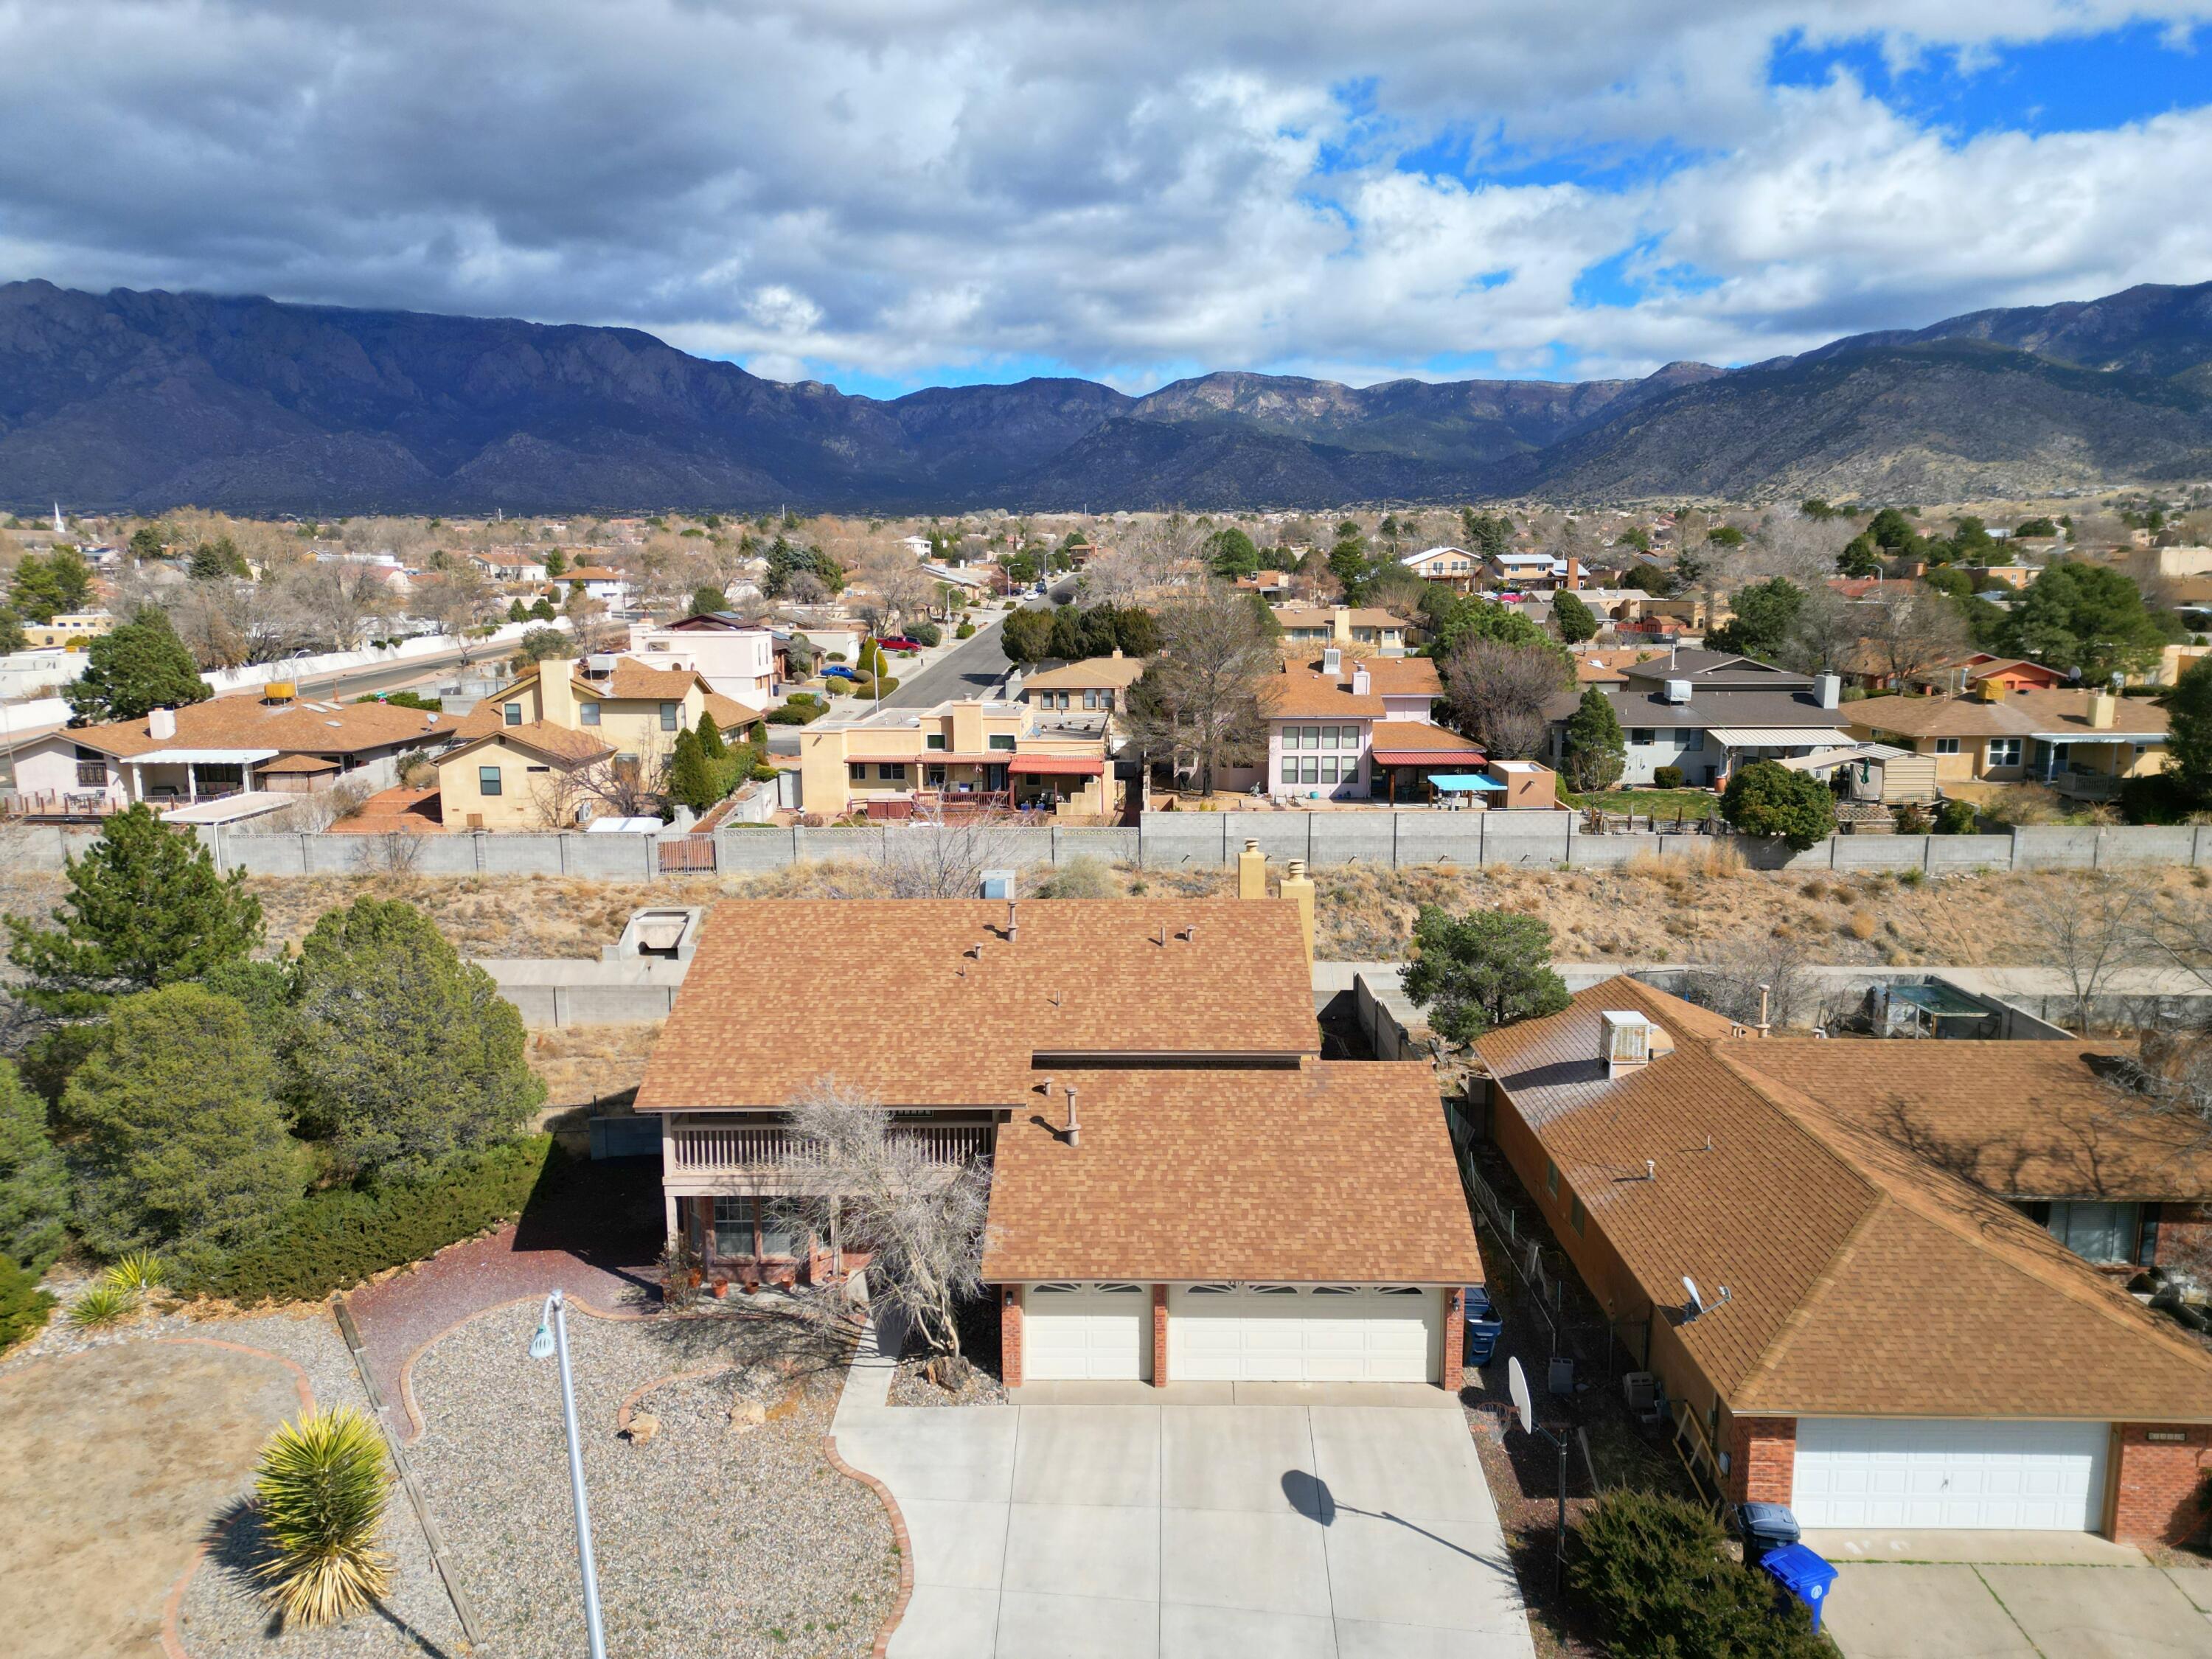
[(761, 1146)]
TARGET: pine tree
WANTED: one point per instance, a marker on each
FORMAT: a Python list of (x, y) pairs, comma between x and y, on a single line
[(1597, 748), (691, 776), (1575, 620), (184, 1147), (131, 670), (145, 908), (406, 1053), (710, 737), (34, 1183)]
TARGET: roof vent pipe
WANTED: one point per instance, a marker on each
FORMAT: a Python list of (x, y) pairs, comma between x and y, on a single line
[(1074, 1129), (1009, 921), (1651, 1169)]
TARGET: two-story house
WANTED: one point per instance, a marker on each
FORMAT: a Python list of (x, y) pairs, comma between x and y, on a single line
[(1708, 712), (974, 754), (1346, 728), (1097, 686), (512, 766), (736, 658), (1145, 1077), (1372, 630), (1454, 566)]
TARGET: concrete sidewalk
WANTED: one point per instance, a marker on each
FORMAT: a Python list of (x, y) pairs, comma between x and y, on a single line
[(1186, 1528)]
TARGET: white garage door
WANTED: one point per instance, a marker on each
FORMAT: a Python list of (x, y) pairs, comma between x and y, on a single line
[(1078, 1332), (1303, 1334), (2011, 1477)]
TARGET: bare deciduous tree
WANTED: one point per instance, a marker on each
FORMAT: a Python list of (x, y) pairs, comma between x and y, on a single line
[(335, 600), (1730, 978), (1909, 633), (1499, 693), (1204, 695), (922, 1218), (2087, 930), (628, 786), (934, 856)]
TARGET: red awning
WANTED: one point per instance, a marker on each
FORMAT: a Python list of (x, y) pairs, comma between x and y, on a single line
[(1462, 758), (1070, 766)]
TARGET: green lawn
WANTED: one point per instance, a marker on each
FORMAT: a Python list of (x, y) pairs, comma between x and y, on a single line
[(1652, 803)]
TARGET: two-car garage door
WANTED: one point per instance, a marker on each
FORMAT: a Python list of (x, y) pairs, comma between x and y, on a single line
[(1235, 1332), (1858, 1472)]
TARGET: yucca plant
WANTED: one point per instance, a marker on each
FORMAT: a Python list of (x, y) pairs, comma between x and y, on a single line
[(321, 1486), (103, 1305), (138, 1272)]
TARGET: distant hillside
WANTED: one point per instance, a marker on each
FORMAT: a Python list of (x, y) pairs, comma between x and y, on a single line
[(145, 401)]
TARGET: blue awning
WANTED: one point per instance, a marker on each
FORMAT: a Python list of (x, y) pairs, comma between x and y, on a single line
[(1457, 783)]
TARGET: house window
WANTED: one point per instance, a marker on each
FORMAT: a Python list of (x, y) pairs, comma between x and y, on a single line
[(1577, 1218), (92, 774), (2096, 1231), (1006, 742), (1550, 1177), (936, 739), (858, 769), (1639, 734), (1309, 769), (1692, 741), (936, 775), (512, 714), (1090, 700), (734, 1226), (1106, 699), (1328, 768), (888, 772), (487, 781), (2004, 751), (670, 715), (1947, 745), (1289, 768), (588, 712)]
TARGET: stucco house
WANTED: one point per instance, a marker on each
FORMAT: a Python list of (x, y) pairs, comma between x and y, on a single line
[(974, 754), (1369, 629), (737, 659), (1455, 567), (1344, 728), (1144, 1076), (1709, 712), (2083, 744), (1837, 1320)]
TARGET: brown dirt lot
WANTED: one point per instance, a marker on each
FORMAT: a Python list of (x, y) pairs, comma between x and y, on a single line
[(101, 1523)]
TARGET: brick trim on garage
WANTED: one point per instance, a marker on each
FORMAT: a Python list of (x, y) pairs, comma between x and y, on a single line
[(1009, 1335), (1454, 1338), (2158, 1489), (1762, 1459), (1159, 1336)]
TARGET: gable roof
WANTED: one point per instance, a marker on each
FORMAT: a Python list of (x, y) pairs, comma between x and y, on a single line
[(1306, 691), (925, 1002), (1863, 1280), (244, 721), (1207, 1174), (1717, 670), (1091, 672)]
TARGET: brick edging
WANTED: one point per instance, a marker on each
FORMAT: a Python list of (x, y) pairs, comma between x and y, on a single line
[(416, 1426), (899, 1536), (172, 1605)]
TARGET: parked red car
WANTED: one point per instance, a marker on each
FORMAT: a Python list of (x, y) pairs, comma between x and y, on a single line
[(899, 644)]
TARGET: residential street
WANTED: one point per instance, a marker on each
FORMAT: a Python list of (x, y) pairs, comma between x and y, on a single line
[(976, 667)]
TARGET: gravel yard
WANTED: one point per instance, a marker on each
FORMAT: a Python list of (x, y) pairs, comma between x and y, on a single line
[(712, 1536)]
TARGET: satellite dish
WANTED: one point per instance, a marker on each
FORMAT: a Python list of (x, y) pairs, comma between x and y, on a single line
[(1696, 1301), (1516, 1382)]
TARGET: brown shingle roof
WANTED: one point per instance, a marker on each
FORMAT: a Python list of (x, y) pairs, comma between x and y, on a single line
[(1195, 1175), (1863, 1280), (244, 721), (555, 742), (632, 679), (1091, 672), (1418, 737), (890, 996), (1937, 717), (1305, 692)]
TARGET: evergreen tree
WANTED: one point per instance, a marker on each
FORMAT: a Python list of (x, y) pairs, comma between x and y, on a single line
[(2189, 736), (708, 598), (50, 585), (1576, 621), (1764, 613), (1859, 558), (34, 1182), (133, 669), (184, 1147), (145, 907), (1486, 969), (2087, 617), (12, 636), (406, 1053), (691, 776), (1766, 799), (710, 738), (1597, 749)]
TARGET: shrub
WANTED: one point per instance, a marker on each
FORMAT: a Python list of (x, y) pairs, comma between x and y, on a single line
[(926, 634), (1668, 777), (1766, 799), (103, 1306), (34, 1183), (965, 631), (1082, 877), (1486, 969), (1861, 925), (2157, 798), (334, 1239), (1956, 817), (137, 1273), (801, 710), (886, 683), (1652, 1568), (23, 1305), (320, 1491)]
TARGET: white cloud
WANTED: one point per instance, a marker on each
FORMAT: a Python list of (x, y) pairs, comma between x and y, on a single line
[(894, 186)]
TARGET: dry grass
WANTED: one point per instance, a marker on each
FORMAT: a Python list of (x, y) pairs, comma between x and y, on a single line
[(586, 1065)]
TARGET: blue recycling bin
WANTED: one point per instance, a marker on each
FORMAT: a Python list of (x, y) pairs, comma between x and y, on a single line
[(1803, 1573)]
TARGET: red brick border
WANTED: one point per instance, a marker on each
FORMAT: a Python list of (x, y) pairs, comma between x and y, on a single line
[(899, 1537), (1159, 1336), (1009, 1334), (1454, 1370)]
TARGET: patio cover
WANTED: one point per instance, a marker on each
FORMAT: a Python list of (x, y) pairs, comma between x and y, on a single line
[(1076, 766), (1779, 736), (1466, 782)]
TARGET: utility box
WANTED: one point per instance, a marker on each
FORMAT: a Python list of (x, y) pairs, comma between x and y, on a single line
[(1562, 1374)]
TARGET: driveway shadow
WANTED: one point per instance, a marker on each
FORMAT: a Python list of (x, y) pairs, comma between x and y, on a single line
[(1309, 1494)]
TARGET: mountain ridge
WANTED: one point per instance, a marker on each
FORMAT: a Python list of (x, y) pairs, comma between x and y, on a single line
[(145, 400)]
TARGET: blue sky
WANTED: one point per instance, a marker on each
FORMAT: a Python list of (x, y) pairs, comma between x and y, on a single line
[(888, 196)]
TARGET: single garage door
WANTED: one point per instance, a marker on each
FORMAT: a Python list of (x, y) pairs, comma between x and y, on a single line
[(2008, 1477), (1079, 1332), (1304, 1334)]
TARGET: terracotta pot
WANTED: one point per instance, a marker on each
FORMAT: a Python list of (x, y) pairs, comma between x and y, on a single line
[(721, 1288)]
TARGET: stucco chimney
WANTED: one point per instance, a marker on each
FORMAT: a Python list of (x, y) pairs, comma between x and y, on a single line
[(1361, 681), (161, 723), (1251, 872), (1298, 888), (2104, 710)]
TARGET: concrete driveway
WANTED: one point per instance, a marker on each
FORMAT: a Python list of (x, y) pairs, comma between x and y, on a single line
[(1994, 1595), (1207, 1522)]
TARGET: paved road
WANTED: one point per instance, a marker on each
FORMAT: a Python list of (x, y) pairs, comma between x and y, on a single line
[(975, 669)]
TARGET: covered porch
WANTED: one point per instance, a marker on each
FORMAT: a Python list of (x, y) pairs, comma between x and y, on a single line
[(171, 775), (2092, 768)]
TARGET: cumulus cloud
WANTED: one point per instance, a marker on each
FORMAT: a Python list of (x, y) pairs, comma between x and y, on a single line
[(898, 188)]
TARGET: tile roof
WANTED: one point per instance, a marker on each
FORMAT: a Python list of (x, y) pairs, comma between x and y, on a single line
[(1305, 692), (1195, 1175), (244, 721), (1419, 738), (1863, 1280), (890, 996), (2021, 1120)]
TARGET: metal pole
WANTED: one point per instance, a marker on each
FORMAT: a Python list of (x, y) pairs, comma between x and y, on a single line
[(592, 1623), (1559, 1557)]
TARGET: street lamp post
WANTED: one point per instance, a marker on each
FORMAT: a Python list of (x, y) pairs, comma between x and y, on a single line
[(551, 1338)]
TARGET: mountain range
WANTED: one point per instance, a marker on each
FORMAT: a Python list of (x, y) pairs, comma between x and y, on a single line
[(145, 401)]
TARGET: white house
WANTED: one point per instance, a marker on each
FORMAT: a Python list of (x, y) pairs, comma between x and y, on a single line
[(734, 659)]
